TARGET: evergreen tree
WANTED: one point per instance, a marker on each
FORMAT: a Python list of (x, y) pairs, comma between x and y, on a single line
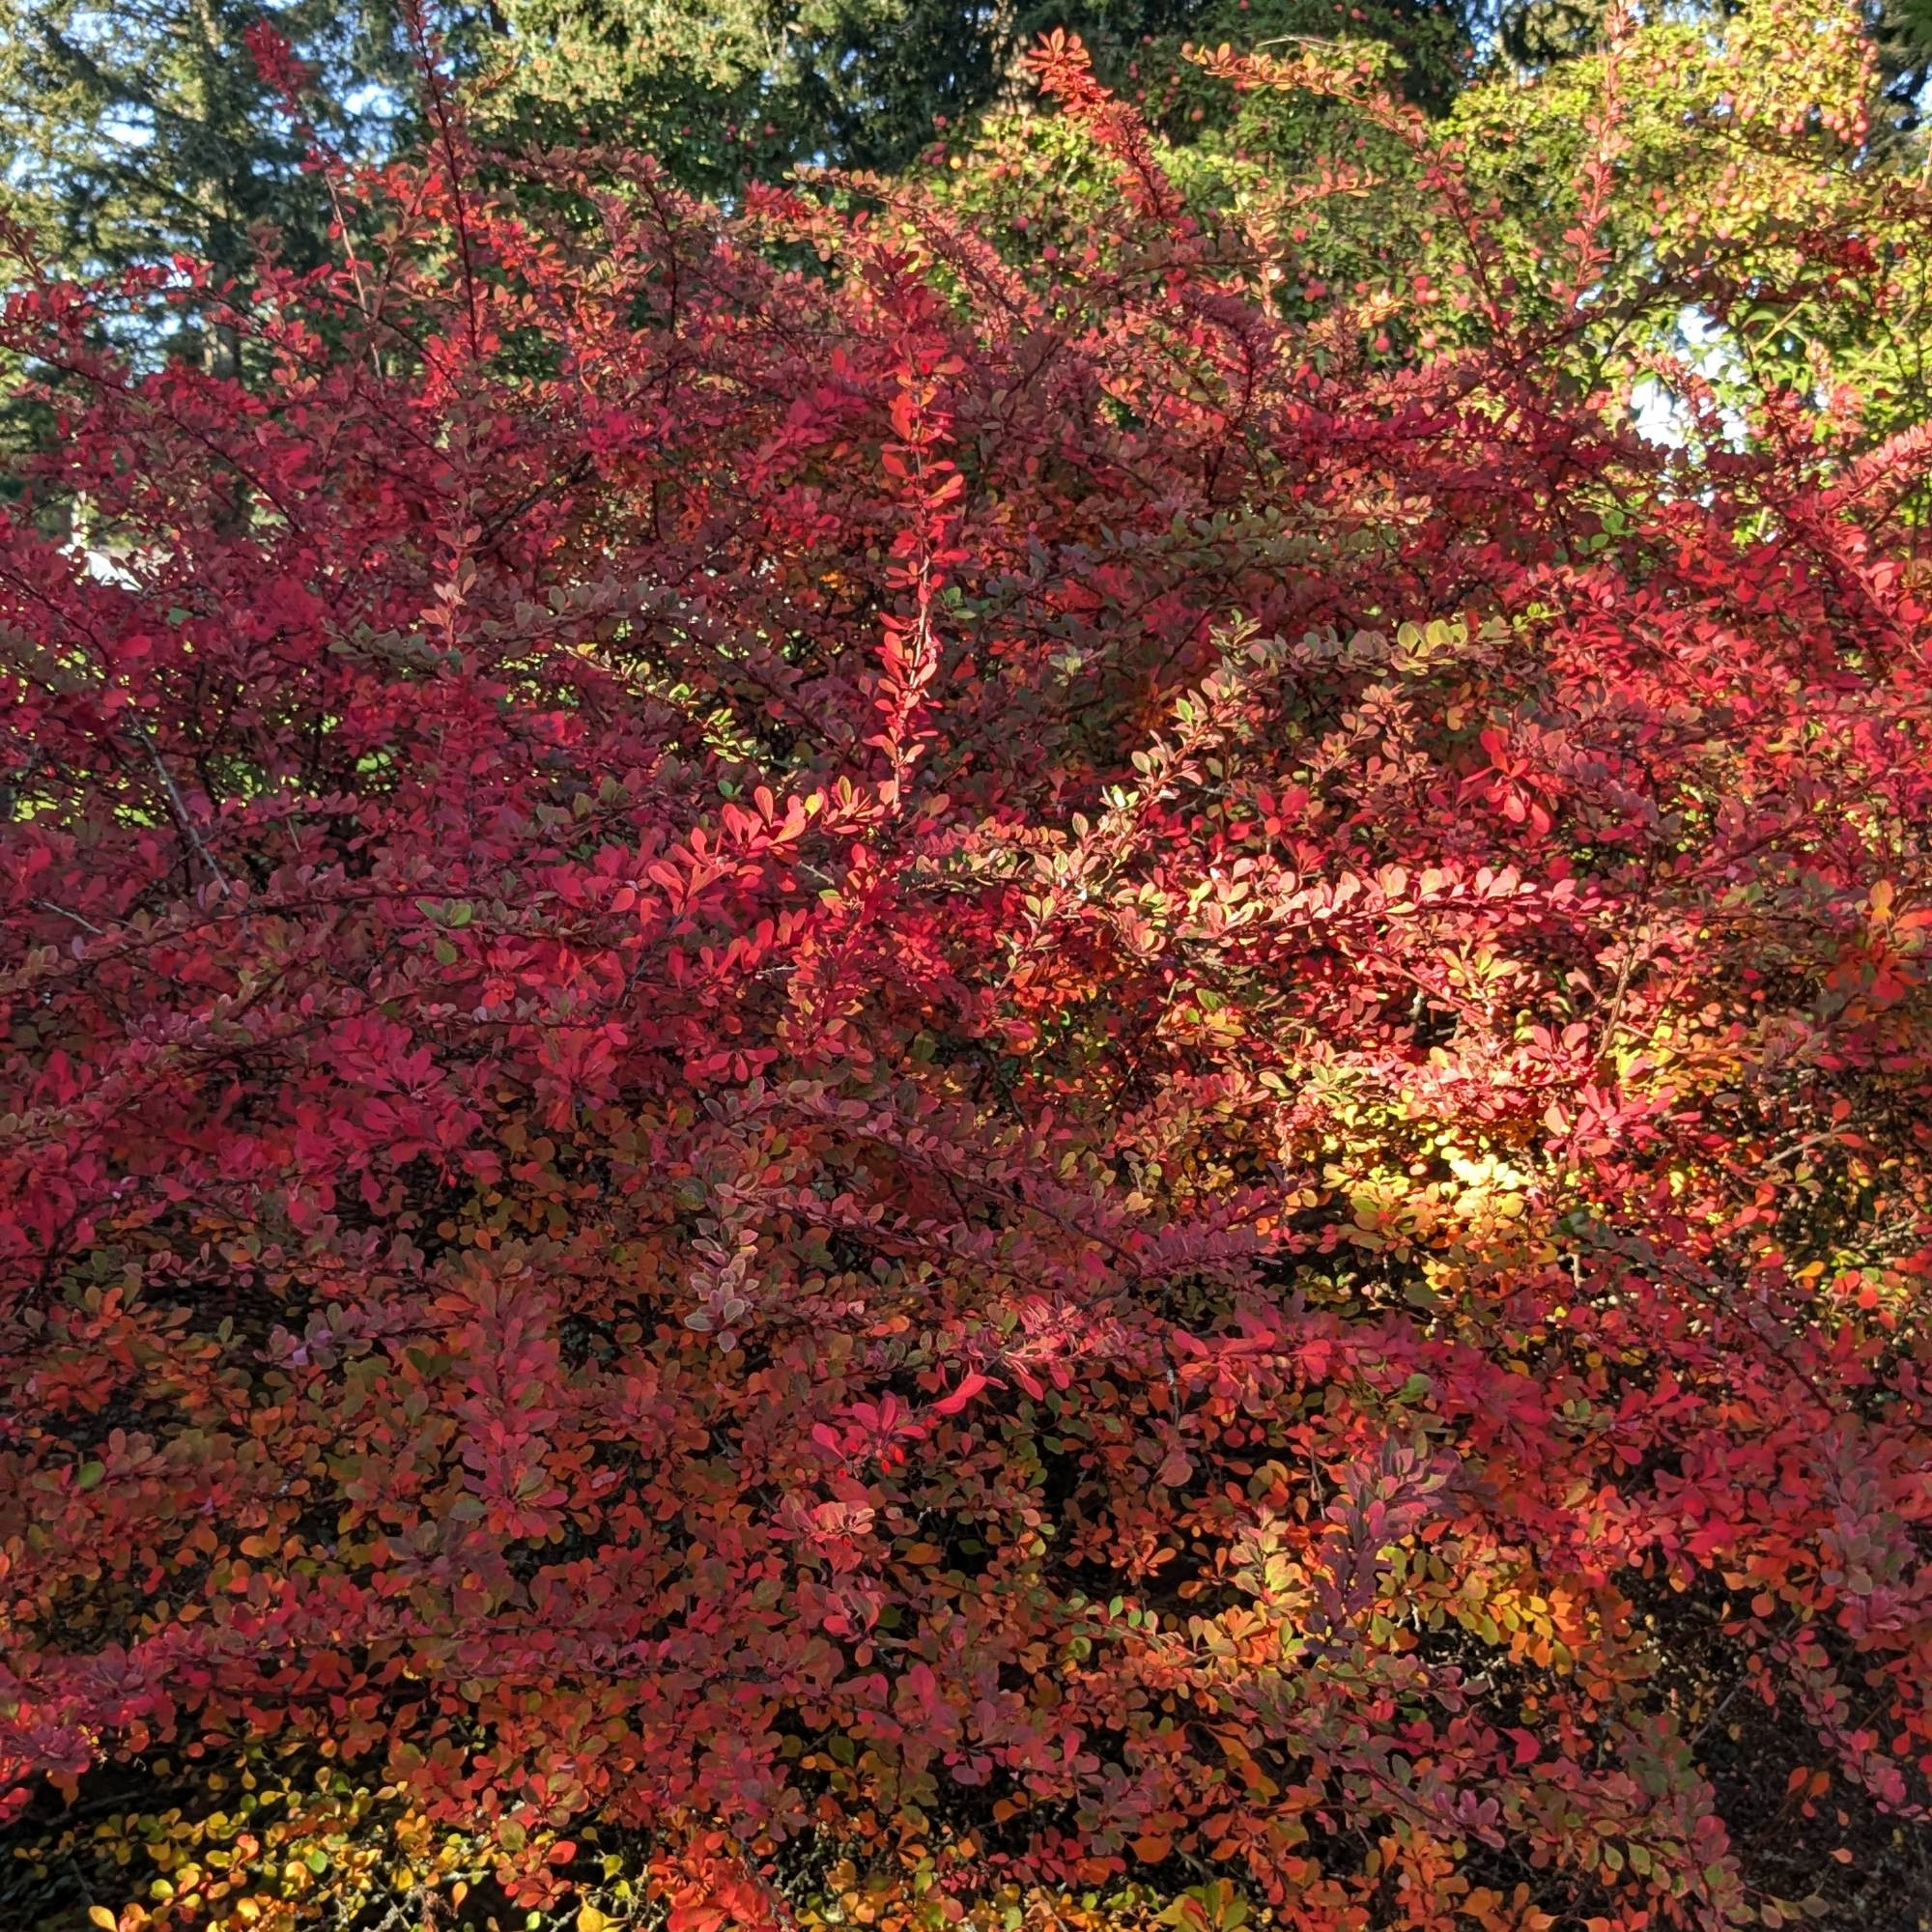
[(1902, 29), (131, 133), (748, 88)]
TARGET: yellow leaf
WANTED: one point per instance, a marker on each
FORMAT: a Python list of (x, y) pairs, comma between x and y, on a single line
[(100, 1916), (590, 1919)]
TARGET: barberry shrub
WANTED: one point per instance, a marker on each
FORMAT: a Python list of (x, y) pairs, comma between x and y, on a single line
[(836, 1081)]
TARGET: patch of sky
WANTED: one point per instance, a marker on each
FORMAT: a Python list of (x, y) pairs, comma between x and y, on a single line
[(1662, 416)]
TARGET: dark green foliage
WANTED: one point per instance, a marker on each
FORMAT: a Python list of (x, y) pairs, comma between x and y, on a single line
[(748, 88), (131, 133), (1903, 32)]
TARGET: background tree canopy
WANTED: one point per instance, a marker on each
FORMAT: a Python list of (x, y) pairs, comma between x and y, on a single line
[(130, 132), (134, 132), (747, 89)]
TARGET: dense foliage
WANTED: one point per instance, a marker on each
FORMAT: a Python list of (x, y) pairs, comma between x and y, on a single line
[(725, 92), (850, 1083)]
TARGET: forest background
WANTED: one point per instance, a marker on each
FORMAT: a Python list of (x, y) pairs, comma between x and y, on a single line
[(134, 130)]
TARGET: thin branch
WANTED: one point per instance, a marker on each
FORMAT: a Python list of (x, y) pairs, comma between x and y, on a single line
[(61, 911), (179, 811)]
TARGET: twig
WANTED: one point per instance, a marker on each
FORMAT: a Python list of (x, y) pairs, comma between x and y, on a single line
[(86, 925), (177, 810)]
